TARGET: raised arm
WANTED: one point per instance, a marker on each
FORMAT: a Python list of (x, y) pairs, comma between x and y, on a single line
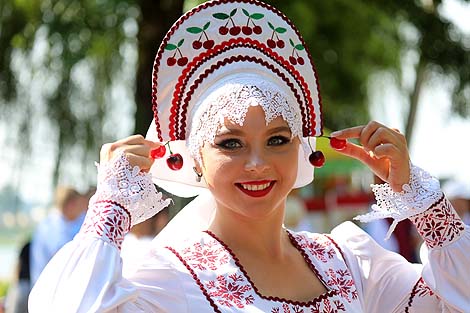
[(86, 274), (387, 280)]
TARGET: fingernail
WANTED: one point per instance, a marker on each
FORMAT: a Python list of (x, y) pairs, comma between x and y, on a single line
[(336, 133)]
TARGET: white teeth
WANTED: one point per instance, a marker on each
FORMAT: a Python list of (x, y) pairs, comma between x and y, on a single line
[(255, 187)]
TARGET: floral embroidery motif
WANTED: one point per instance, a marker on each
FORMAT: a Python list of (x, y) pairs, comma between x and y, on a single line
[(228, 288), (231, 292), (421, 291), (209, 256), (343, 282), (319, 247), (107, 220), (439, 225)]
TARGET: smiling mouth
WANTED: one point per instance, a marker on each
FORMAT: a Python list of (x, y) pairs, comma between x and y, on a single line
[(256, 189)]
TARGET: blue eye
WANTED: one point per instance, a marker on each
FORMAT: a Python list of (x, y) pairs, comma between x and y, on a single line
[(278, 141), (230, 144)]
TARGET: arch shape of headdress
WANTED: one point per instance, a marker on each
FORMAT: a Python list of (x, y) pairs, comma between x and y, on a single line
[(218, 40)]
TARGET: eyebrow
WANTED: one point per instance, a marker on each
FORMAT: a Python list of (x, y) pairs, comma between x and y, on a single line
[(239, 132)]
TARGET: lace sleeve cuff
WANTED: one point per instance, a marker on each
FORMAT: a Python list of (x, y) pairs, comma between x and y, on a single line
[(130, 188), (124, 197), (417, 196)]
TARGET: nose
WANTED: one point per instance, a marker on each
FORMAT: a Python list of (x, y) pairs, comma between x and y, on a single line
[(256, 161)]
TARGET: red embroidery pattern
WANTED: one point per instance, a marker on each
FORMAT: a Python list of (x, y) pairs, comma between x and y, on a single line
[(320, 247), (420, 291), (228, 288), (439, 225), (210, 256), (326, 306), (232, 291), (343, 282), (107, 220)]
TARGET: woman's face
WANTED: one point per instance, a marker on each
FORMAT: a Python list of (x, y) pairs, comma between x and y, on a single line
[(250, 169)]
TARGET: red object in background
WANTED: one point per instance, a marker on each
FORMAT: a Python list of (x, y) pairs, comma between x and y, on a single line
[(347, 200)]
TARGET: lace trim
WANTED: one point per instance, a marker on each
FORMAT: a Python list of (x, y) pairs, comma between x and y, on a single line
[(232, 101), (417, 196), (130, 188), (440, 225)]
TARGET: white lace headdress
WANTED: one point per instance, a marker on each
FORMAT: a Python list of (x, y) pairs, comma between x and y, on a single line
[(216, 61), (251, 53)]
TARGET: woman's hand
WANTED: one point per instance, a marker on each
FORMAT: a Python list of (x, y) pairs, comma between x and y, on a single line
[(383, 150), (136, 148)]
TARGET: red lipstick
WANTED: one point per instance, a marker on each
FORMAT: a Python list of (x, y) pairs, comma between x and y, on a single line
[(248, 188)]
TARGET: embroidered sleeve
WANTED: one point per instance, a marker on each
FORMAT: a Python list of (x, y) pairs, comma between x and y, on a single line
[(417, 196), (125, 196), (440, 225)]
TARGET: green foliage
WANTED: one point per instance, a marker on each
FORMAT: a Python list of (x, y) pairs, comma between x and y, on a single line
[(71, 36), (3, 288), (348, 41)]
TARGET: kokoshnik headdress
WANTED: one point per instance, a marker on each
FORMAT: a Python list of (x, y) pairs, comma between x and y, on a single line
[(217, 60)]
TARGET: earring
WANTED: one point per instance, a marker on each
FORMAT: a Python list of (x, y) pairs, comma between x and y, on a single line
[(198, 175)]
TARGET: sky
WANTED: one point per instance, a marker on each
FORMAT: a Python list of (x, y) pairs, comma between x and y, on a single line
[(438, 144)]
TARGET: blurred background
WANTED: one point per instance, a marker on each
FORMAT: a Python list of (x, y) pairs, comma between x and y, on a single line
[(77, 74)]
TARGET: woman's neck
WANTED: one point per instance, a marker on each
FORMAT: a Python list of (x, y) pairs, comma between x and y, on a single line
[(262, 237)]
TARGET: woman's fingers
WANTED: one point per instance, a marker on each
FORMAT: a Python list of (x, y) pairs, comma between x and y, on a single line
[(136, 148), (382, 149)]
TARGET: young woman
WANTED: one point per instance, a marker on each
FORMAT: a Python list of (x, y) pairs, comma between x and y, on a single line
[(236, 112)]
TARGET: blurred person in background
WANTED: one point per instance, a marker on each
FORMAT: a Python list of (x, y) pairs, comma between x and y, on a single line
[(17, 297), (58, 228)]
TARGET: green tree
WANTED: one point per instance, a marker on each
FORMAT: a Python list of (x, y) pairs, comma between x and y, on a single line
[(441, 48)]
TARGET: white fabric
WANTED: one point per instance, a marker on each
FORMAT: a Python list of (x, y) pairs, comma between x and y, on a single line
[(76, 281), (86, 275), (129, 187), (417, 196)]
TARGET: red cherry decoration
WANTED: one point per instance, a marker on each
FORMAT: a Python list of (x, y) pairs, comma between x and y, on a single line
[(257, 30), (223, 30), (182, 61), (175, 161), (338, 144), (271, 43), (317, 158), (197, 44), (247, 30), (171, 61), (158, 153), (208, 44)]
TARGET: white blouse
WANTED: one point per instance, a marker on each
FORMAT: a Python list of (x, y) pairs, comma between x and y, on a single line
[(202, 274)]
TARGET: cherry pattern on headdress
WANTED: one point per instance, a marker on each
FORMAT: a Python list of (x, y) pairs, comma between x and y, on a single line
[(248, 35)]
